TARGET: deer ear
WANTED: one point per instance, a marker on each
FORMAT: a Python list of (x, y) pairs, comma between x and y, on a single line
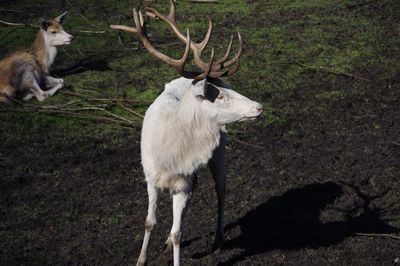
[(60, 18), (44, 25), (199, 88)]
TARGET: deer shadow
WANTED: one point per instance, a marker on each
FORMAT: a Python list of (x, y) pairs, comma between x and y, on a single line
[(292, 221), (93, 62)]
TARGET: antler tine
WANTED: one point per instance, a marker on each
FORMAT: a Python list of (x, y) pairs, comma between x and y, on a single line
[(227, 53), (181, 68), (234, 69), (237, 55), (172, 11), (209, 68), (201, 45)]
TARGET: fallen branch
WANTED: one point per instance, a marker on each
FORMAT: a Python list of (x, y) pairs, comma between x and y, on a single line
[(17, 24), (381, 235), (247, 144), (91, 31), (120, 100), (81, 107), (81, 15), (332, 71), (62, 112), (395, 143), (12, 11), (131, 111), (202, 1), (36, 27)]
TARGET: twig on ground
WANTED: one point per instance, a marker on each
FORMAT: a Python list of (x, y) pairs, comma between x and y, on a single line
[(331, 71), (91, 31), (11, 11), (81, 107), (80, 115), (104, 99), (381, 235), (395, 143), (202, 1), (2, 37), (81, 15), (17, 24), (36, 27), (130, 110), (247, 144), (112, 114), (71, 103)]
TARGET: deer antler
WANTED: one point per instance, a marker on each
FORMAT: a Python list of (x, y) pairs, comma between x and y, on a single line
[(211, 69), (218, 68)]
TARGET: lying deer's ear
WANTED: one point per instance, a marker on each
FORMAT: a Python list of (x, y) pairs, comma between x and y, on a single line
[(199, 88), (60, 18), (44, 25)]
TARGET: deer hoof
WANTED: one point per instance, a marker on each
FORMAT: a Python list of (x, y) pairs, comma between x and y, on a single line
[(168, 246)]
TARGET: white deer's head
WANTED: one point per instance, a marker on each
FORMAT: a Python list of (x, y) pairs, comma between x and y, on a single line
[(218, 101), (222, 104), (54, 32)]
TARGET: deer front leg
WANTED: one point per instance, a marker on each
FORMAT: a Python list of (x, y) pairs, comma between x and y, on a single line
[(53, 84), (52, 81), (217, 167)]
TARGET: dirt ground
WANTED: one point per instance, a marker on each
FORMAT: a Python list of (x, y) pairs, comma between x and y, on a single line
[(321, 187)]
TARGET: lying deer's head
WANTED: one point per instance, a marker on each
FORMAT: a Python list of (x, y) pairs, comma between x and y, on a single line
[(54, 32)]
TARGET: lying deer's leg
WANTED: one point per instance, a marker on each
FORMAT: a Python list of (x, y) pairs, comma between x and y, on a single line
[(216, 165), (28, 96), (30, 83), (52, 82), (53, 85), (151, 221)]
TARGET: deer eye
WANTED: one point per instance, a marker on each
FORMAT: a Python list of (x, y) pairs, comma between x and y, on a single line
[(54, 32), (220, 96)]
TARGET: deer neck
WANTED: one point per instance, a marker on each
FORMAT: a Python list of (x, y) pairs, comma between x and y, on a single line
[(44, 52)]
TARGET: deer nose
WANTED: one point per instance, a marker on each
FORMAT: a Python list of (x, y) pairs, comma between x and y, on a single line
[(259, 108)]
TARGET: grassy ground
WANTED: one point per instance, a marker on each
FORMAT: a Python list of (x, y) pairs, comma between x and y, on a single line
[(316, 171)]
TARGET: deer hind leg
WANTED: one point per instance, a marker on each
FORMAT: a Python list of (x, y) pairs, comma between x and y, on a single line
[(179, 203), (217, 167), (169, 245), (151, 221), (30, 84)]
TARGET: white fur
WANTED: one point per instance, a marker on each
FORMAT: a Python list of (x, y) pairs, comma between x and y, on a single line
[(181, 131)]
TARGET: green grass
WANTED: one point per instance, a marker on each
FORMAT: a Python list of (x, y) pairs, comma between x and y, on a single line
[(284, 41)]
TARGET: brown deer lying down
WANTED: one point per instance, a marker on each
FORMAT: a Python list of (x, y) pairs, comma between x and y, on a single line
[(185, 128), (25, 73)]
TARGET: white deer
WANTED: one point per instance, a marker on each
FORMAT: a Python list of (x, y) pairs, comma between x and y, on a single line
[(25, 72), (185, 128)]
